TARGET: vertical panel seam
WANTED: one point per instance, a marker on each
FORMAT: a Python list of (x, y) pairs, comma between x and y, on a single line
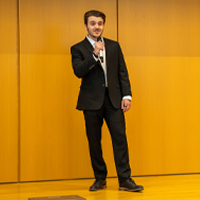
[(117, 7), (18, 89)]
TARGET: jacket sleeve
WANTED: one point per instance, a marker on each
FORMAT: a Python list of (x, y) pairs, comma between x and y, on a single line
[(123, 75), (81, 63)]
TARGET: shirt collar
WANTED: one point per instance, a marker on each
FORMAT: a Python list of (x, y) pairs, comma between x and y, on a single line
[(92, 41)]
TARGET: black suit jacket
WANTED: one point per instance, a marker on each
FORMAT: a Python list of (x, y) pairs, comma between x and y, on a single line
[(92, 89)]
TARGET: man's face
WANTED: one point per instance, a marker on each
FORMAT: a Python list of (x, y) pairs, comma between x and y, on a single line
[(94, 27)]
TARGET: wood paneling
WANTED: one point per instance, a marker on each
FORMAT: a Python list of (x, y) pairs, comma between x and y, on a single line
[(53, 140), (160, 28), (161, 48), (160, 41), (8, 92)]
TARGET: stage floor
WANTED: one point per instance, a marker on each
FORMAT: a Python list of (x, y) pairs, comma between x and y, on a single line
[(156, 188)]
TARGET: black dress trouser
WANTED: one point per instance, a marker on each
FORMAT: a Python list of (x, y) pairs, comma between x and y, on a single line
[(116, 124)]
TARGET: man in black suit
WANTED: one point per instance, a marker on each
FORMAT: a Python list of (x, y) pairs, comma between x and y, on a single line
[(105, 93)]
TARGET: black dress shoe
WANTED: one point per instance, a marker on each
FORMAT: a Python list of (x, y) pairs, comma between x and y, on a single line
[(98, 185), (129, 185)]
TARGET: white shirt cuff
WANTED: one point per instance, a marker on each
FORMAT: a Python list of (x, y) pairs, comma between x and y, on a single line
[(127, 97), (95, 58)]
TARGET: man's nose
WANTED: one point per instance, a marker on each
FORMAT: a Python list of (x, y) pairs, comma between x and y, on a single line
[(96, 26)]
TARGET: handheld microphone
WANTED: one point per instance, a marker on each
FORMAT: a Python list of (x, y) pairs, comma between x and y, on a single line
[(100, 52)]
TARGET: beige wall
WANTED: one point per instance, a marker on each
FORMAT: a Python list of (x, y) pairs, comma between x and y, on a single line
[(162, 48)]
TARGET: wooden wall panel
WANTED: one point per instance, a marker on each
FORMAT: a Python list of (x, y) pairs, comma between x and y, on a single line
[(53, 140), (8, 92), (161, 43), (160, 28), (160, 40)]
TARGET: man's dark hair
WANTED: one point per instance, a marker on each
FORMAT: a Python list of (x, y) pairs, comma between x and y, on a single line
[(94, 13)]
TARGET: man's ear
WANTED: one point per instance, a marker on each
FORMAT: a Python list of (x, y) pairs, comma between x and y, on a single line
[(85, 26)]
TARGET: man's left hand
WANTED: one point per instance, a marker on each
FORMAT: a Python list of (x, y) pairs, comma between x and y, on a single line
[(125, 105)]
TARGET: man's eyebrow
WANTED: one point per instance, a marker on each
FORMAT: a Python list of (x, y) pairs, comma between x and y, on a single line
[(95, 21)]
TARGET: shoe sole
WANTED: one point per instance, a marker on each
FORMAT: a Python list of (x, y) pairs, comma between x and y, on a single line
[(129, 190), (103, 187)]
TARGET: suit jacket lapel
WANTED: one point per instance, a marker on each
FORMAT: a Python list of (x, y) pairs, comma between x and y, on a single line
[(88, 45), (108, 52)]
